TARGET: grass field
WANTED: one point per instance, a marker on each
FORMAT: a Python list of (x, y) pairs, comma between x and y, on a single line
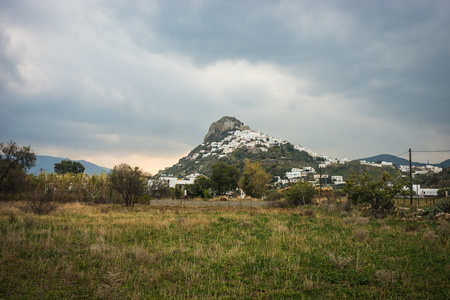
[(155, 252)]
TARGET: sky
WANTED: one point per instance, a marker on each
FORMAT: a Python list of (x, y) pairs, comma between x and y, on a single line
[(140, 82)]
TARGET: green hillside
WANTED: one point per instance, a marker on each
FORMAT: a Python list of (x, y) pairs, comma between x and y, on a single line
[(355, 167), (277, 160)]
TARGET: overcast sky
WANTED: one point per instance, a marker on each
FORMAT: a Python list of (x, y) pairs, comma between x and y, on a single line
[(140, 82)]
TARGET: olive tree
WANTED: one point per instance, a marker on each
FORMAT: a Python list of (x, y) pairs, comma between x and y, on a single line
[(301, 192), (378, 194), (128, 182), (14, 162)]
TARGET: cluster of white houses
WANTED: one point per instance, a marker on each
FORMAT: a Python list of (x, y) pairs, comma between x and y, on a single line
[(256, 139), (235, 140), (405, 168), (250, 138)]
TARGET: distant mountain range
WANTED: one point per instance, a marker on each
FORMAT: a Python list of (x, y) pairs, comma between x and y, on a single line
[(46, 163), (401, 161)]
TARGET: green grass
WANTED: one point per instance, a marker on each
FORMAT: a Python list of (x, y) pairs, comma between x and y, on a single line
[(185, 252)]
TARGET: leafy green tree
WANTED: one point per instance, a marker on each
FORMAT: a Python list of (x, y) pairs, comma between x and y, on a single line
[(128, 182), (200, 188), (14, 162), (69, 166), (379, 194), (204, 184), (254, 179), (301, 192), (224, 178), (177, 192)]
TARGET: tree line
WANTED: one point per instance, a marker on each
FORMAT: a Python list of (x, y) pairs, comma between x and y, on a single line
[(69, 182)]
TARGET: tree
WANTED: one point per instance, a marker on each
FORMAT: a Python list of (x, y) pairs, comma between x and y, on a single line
[(68, 166), (254, 179), (128, 182), (204, 184), (14, 162), (379, 194), (94, 185), (302, 192), (159, 189), (200, 188), (224, 178)]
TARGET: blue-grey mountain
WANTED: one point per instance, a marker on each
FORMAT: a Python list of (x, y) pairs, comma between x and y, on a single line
[(46, 163)]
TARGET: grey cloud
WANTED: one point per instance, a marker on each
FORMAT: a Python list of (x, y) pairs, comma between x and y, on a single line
[(109, 82)]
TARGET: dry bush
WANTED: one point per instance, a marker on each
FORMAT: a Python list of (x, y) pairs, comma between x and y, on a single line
[(356, 220), (340, 262), (430, 236), (140, 254), (361, 235), (247, 224), (386, 275), (109, 289), (99, 247), (40, 204)]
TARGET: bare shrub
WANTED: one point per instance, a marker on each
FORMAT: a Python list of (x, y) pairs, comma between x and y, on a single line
[(109, 289), (430, 236), (361, 235), (247, 224), (356, 220), (340, 262), (40, 204), (140, 255), (99, 247), (386, 275)]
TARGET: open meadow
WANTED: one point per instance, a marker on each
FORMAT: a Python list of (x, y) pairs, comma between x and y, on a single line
[(175, 252)]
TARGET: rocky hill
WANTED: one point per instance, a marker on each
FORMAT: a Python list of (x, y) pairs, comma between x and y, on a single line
[(231, 141), (228, 139)]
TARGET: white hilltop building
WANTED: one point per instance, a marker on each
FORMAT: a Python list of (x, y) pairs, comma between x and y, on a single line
[(262, 142)]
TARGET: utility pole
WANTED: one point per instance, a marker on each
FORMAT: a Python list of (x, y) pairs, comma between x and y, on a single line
[(320, 182), (410, 178)]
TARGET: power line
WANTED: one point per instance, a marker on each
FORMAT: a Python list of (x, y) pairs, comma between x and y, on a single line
[(402, 153), (431, 151), (423, 151)]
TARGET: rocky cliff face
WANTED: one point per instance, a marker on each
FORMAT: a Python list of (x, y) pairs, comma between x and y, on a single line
[(225, 124)]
